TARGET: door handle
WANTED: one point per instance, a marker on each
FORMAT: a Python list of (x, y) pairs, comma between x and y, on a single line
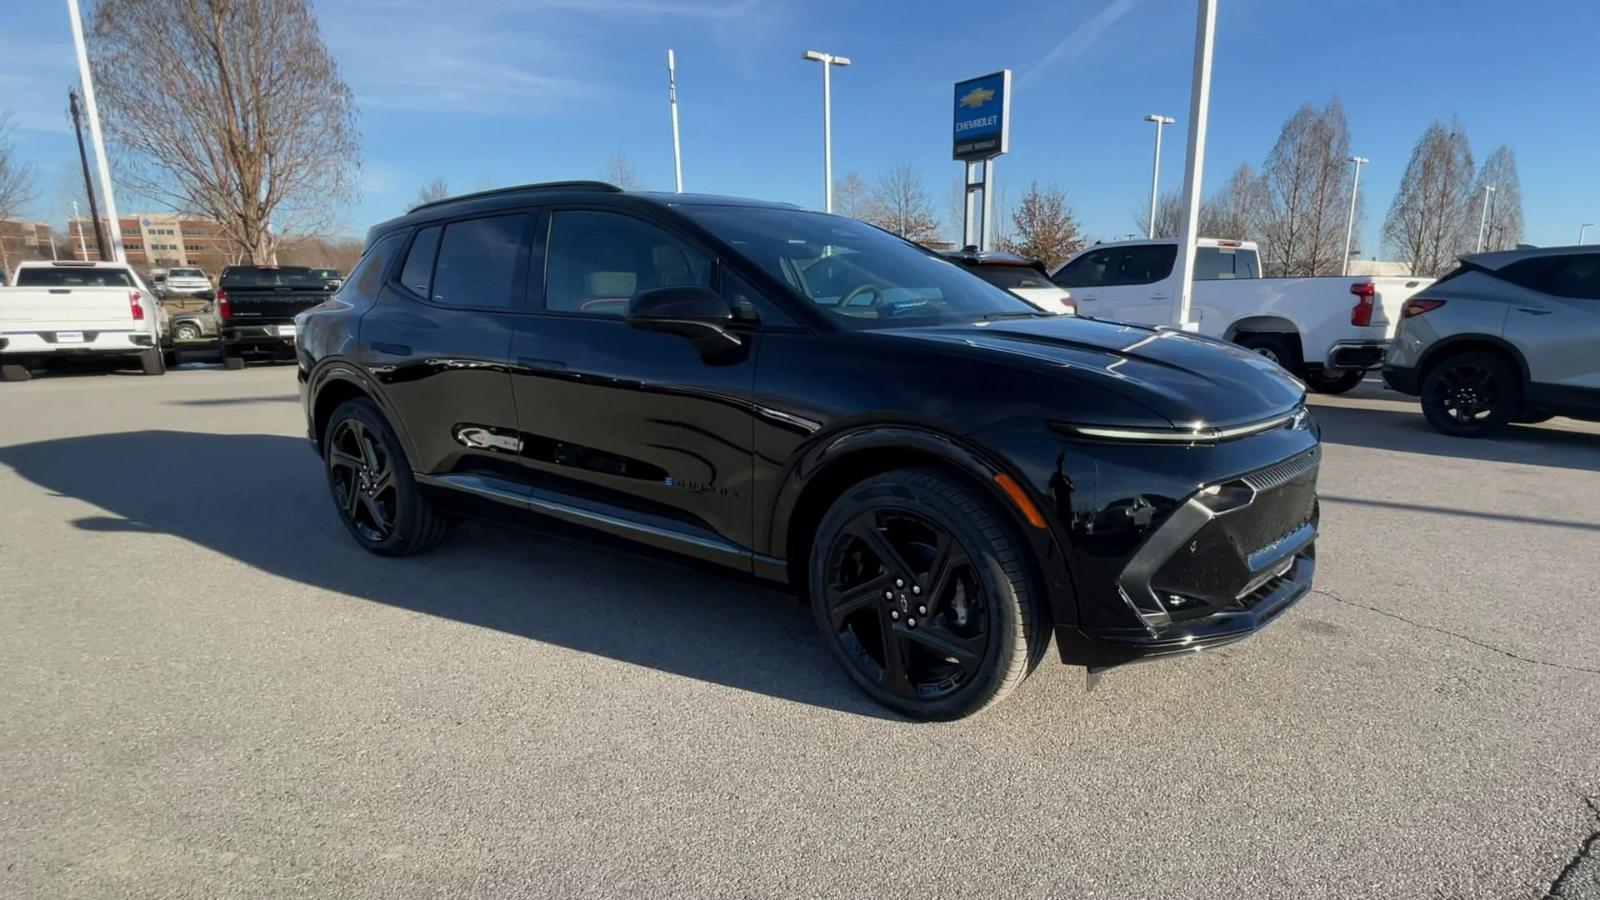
[(391, 349), (1534, 310), (528, 362), (1158, 297)]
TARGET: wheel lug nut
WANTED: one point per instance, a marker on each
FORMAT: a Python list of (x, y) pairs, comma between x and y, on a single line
[(888, 595), (922, 610), (894, 614), (916, 589), (899, 582), (911, 623)]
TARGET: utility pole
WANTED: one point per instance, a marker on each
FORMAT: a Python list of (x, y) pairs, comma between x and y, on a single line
[(1155, 170), (88, 187), (1350, 220), (94, 134), (1205, 29), (672, 100)]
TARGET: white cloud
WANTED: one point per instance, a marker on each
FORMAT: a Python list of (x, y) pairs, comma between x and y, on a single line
[(1080, 38)]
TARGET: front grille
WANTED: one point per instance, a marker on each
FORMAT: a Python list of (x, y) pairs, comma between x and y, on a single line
[(1279, 474)]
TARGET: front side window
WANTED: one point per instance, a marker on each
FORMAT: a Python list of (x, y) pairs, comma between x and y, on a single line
[(1093, 269), (1009, 277), (478, 261), (861, 276), (596, 261)]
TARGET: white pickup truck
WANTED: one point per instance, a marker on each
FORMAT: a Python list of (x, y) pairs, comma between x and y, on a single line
[(55, 310), (1328, 330)]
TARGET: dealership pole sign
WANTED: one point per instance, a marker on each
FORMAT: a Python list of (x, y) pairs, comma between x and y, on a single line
[(983, 116), (982, 132)]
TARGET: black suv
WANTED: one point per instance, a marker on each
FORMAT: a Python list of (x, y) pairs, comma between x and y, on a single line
[(948, 476)]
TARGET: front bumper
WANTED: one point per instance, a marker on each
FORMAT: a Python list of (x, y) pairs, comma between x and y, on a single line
[(265, 338)]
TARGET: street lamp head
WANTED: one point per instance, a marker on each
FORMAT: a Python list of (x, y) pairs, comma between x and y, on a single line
[(1488, 188), (815, 55), (1360, 160), (1164, 120), (826, 59)]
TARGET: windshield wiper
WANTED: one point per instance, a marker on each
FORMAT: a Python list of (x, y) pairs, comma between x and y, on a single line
[(1019, 314)]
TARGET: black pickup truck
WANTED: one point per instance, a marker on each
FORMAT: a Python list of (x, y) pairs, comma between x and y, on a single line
[(256, 306)]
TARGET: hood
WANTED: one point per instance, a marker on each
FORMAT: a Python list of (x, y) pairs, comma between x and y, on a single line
[(1184, 378)]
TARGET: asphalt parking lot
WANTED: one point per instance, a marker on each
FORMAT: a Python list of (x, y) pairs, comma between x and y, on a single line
[(210, 691)]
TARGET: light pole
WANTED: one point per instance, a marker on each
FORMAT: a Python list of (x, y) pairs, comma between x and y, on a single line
[(828, 61), (1155, 169), (1483, 219), (672, 100), (1581, 229), (1350, 220), (1205, 29), (106, 194), (81, 248)]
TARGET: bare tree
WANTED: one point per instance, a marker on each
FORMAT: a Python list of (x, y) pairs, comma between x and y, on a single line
[(1046, 230), (1306, 189), (1234, 211), (619, 171), (432, 192), (269, 140), (1169, 215), (900, 204), (1430, 220), (16, 185), (850, 196), (1504, 228), (341, 253)]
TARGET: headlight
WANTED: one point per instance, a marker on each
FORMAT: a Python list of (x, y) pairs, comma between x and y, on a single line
[(1199, 433)]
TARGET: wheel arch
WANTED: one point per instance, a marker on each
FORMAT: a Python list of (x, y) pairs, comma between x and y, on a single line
[(1266, 324), (338, 382), (824, 473), (1468, 343)]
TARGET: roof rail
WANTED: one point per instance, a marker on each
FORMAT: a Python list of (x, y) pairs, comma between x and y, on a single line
[(545, 185)]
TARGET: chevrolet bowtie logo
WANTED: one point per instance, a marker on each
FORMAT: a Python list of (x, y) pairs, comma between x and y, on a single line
[(977, 97)]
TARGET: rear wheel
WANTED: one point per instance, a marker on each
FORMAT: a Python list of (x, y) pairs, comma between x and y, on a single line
[(14, 372), (1470, 394), (372, 485), (923, 595), (233, 363), (1333, 381), (1279, 348), (186, 331)]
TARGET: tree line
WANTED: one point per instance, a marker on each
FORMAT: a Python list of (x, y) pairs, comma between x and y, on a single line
[(1297, 206)]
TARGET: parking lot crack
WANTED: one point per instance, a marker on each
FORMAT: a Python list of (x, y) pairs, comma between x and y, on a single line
[(1457, 635), (1587, 858)]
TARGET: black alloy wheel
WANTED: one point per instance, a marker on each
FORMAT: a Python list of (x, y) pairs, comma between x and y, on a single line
[(1469, 395), (921, 593), (372, 486)]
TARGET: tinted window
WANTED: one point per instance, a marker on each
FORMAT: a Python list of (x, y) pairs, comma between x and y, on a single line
[(1576, 276), (597, 261), (1145, 263), (73, 277), (862, 276), (247, 277), (1009, 277), (418, 273), (478, 262), (1092, 269), (749, 305), (368, 274), (1214, 263)]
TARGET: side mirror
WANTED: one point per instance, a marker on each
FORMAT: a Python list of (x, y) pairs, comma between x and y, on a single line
[(697, 313)]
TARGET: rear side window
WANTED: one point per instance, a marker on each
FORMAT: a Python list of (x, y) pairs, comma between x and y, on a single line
[(1576, 275), (73, 277), (478, 262), (1145, 263), (418, 273), (367, 276), (1221, 263), (597, 261), (1092, 269)]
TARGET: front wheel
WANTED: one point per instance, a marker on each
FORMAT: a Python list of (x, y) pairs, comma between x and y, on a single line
[(372, 485), (151, 363), (1470, 394), (923, 594), (1334, 381), (1277, 347)]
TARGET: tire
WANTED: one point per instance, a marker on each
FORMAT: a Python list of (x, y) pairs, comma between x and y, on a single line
[(1279, 348), (151, 363), (170, 359), (1338, 381), (232, 363), (372, 486), (981, 628), (14, 372), (1470, 394), (186, 331)]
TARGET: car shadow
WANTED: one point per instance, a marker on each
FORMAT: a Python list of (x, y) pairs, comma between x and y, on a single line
[(260, 499), (1403, 429)]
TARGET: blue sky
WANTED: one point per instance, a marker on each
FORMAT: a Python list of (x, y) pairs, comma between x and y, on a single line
[(510, 91)]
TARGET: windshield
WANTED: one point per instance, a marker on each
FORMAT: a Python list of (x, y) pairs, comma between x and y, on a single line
[(185, 273), (273, 276), (859, 275), (73, 277)]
